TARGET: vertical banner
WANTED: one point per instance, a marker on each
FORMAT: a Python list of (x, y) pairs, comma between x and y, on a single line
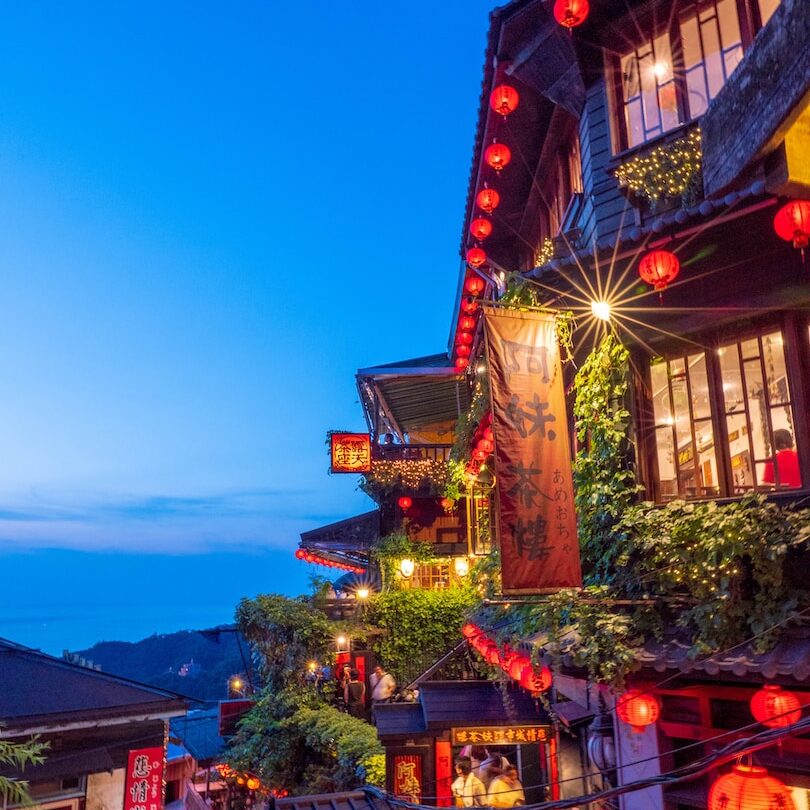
[(537, 522), (408, 778), (143, 786)]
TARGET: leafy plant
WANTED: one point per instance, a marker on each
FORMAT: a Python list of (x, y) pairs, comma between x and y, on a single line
[(17, 755), (393, 548)]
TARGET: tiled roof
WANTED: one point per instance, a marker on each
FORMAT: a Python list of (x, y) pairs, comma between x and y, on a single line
[(366, 799), (199, 733)]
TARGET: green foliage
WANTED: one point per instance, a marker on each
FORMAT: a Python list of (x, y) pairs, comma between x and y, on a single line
[(456, 481), (395, 547), (485, 575), (419, 626), (17, 755), (604, 486), (468, 421)]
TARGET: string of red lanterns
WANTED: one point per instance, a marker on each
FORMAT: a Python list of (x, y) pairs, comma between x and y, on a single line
[(315, 559)]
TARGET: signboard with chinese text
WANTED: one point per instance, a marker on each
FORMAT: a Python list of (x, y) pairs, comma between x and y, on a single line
[(537, 522), (143, 786), (408, 777), (500, 735), (351, 452)]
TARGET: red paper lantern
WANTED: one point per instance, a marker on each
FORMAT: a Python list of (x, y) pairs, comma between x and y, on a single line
[(405, 503), (497, 155), (750, 787), (467, 323), (488, 434), (469, 306), (300, 554), (492, 654), (481, 228), (659, 268), (504, 99), (488, 199), (773, 706), (464, 339), (517, 665), (476, 257), (469, 630), (462, 363), (474, 285), (480, 455), (638, 709), (447, 504), (462, 350), (571, 13), (535, 680), (792, 223)]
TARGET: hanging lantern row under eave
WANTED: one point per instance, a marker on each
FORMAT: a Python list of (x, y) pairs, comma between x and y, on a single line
[(498, 155), (638, 709), (659, 268), (467, 323), (469, 306), (462, 363), (481, 228), (488, 200), (504, 99), (571, 13), (775, 707), (535, 680), (750, 787), (792, 223), (474, 285), (476, 257)]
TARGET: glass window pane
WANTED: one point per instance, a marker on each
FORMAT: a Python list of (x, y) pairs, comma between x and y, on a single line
[(750, 348), (767, 8), (660, 395), (665, 451), (630, 83), (635, 125), (732, 379), (712, 57), (729, 23), (692, 55), (784, 473), (755, 394), (732, 58), (773, 354), (699, 383), (739, 452), (706, 468)]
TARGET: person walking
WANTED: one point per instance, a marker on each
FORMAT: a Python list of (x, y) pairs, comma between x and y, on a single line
[(468, 789), (354, 695)]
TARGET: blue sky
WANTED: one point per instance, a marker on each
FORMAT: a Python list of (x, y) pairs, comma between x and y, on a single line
[(211, 215)]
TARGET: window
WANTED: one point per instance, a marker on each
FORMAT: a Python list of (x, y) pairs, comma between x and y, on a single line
[(766, 9), (432, 577), (670, 78), (724, 421)]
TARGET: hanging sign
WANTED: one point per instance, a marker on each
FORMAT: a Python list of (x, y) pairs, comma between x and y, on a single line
[(351, 452), (143, 786), (537, 522), (408, 778), (500, 735)]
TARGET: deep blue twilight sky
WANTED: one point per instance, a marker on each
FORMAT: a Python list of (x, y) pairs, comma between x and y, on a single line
[(211, 214)]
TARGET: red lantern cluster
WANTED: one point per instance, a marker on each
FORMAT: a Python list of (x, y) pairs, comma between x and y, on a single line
[(775, 707), (638, 709), (315, 559), (519, 667), (483, 444), (498, 156), (504, 99), (659, 268), (571, 13), (792, 223), (749, 787)]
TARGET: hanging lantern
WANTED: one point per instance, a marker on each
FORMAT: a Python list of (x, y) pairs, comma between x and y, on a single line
[(486, 445), (638, 709), (469, 306), (775, 707), (447, 504), (504, 99), (792, 223), (406, 567), (571, 13), (252, 783), (497, 155), (489, 435), (476, 257), (659, 268), (464, 339), (300, 554), (517, 665), (488, 199), (467, 323), (750, 787), (405, 503), (469, 631), (461, 363), (481, 228), (535, 680), (480, 455), (493, 654), (474, 285), (462, 350)]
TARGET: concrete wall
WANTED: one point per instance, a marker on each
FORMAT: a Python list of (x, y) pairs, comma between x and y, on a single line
[(105, 791)]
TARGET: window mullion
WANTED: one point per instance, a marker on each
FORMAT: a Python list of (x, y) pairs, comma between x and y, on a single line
[(717, 410)]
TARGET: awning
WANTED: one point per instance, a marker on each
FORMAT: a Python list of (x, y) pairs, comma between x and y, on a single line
[(354, 535)]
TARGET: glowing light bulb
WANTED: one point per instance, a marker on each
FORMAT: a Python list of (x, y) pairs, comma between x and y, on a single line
[(362, 593), (601, 310), (660, 69)]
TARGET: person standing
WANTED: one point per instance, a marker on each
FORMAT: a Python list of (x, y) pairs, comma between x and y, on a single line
[(354, 694), (382, 685), (468, 790), (505, 790)]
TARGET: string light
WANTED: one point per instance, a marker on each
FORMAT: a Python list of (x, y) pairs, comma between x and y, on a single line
[(545, 253), (410, 473)]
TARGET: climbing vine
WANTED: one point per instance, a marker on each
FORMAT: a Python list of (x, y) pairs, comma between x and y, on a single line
[(393, 548)]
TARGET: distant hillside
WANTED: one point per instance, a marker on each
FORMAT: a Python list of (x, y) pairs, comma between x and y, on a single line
[(194, 663)]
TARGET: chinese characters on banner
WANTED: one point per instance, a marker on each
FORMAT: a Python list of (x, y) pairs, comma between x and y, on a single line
[(351, 452), (539, 548), (143, 787), (408, 778), (500, 735)]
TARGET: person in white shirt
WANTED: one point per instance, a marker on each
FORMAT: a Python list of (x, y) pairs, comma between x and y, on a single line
[(505, 790), (382, 684), (468, 789)]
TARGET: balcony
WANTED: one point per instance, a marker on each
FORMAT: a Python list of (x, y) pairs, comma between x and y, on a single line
[(419, 469)]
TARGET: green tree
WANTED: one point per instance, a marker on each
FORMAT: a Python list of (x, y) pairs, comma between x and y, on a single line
[(18, 755)]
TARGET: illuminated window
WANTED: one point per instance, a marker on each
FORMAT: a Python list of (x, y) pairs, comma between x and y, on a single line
[(432, 577)]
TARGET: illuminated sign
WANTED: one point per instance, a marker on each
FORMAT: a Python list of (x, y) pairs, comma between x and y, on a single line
[(351, 452), (500, 735)]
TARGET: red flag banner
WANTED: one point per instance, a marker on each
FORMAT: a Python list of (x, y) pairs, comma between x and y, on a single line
[(143, 787), (536, 517), (408, 778)]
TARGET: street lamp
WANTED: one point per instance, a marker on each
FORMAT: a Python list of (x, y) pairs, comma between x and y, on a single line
[(362, 594), (236, 687)]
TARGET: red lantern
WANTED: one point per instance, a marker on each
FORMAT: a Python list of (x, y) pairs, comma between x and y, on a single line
[(467, 323), (481, 228), (571, 13), (405, 503), (497, 155), (447, 504), (486, 445), (749, 787), (772, 706), (469, 630), (476, 257), (517, 665), (474, 285), (638, 709), (300, 554), (469, 306), (659, 268), (488, 199), (462, 350), (504, 99), (489, 435), (492, 654), (792, 223), (461, 363), (464, 339), (535, 680)]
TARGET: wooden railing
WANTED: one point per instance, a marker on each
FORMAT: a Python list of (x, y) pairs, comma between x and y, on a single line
[(412, 452)]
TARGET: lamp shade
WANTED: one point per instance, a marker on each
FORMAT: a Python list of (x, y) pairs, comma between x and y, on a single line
[(480, 227), (488, 199), (476, 257), (571, 13), (504, 99)]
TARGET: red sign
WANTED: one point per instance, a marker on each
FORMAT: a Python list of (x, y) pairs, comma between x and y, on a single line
[(351, 452), (444, 773), (408, 778), (537, 522), (143, 786)]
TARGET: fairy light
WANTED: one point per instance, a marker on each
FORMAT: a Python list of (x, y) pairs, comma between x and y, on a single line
[(601, 310), (545, 253), (410, 473)]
